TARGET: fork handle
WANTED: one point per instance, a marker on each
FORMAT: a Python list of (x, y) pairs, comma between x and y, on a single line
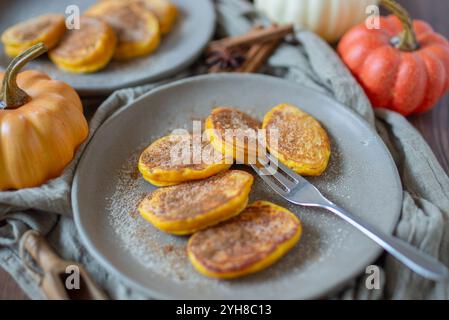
[(423, 264)]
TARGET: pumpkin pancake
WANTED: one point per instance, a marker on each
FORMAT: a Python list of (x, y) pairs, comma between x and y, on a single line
[(189, 207), (47, 28), (250, 242), (164, 10), (172, 160), (86, 49), (233, 133), (303, 145), (137, 28)]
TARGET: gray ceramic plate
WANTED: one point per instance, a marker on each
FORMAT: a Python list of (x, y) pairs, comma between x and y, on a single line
[(361, 177), (178, 49)]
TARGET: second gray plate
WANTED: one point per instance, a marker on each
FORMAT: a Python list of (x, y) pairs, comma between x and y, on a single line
[(362, 177), (180, 48)]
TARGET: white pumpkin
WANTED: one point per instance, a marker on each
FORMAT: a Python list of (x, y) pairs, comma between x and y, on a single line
[(328, 18)]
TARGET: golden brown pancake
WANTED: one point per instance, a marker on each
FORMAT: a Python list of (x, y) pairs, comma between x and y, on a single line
[(136, 27), (245, 244), (192, 206), (86, 49), (47, 28), (233, 133), (303, 145), (173, 159), (165, 11)]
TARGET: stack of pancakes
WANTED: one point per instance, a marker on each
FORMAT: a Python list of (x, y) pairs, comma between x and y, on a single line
[(110, 29)]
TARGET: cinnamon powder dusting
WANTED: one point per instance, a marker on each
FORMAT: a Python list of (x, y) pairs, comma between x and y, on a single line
[(81, 42), (31, 29), (128, 21), (176, 152), (229, 118), (243, 240), (323, 238), (301, 137), (196, 198)]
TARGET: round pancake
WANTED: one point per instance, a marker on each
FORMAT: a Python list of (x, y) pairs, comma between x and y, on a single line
[(164, 10), (250, 242), (137, 28), (233, 133), (47, 28), (86, 49), (303, 145), (163, 163), (189, 207)]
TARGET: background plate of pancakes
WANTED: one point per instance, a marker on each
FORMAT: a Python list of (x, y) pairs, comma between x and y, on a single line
[(361, 177), (178, 49)]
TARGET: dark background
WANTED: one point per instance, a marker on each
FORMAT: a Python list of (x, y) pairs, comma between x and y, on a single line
[(434, 125)]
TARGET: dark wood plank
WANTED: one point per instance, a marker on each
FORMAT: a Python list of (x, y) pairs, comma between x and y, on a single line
[(9, 290), (434, 125)]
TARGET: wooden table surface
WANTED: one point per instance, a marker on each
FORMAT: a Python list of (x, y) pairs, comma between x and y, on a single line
[(434, 125)]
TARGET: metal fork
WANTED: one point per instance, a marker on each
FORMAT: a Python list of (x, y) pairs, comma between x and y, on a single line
[(298, 190)]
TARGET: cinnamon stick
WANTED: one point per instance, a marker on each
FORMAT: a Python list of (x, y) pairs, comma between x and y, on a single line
[(217, 67), (258, 55), (254, 48), (257, 36)]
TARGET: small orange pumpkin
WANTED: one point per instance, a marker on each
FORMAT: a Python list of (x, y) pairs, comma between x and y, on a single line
[(403, 66), (41, 124)]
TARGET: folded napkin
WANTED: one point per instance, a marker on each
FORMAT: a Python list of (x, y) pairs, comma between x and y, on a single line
[(425, 212)]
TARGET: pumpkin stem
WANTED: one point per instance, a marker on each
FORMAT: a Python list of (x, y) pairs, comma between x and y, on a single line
[(11, 95), (407, 38)]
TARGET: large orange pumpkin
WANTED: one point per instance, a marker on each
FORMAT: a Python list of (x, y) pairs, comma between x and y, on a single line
[(403, 66), (41, 124)]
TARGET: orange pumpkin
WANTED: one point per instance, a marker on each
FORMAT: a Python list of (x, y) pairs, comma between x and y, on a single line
[(41, 124), (403, 66)]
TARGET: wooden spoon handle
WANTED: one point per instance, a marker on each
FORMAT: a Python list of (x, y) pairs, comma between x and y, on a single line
[(40, 250), (54, 268)]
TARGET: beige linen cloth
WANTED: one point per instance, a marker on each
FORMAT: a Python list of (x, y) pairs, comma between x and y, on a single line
[(425, 213)]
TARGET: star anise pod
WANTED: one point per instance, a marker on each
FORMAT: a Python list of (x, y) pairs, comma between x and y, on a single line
[(220, 59)]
